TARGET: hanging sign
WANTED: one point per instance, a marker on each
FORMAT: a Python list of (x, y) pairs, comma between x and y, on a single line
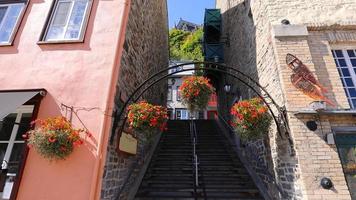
[(304, 80), (128, 143)]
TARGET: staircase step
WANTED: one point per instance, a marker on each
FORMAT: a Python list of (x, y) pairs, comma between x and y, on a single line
[(170, 175)]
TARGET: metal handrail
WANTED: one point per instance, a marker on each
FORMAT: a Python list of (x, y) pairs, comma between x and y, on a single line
[(193, 135), (247, 162)]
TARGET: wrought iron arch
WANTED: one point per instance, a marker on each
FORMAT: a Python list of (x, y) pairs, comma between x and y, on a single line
[(280, 119)]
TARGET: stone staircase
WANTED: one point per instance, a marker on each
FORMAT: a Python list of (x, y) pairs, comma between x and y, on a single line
[(171, 173)]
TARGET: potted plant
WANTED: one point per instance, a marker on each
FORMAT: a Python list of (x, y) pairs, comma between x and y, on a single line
[(54, 138), (145, 117), (195, 92), (251, 118)]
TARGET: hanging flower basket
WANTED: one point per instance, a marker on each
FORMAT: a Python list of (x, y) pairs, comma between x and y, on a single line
[(145, 117), (195, 92), (251, 118), (54, 138)]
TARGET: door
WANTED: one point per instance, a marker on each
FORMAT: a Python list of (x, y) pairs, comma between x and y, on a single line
[(212, 114), (12, 145), (346, 145)]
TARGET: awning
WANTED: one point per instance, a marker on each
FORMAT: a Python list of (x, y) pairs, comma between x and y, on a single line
[(10, 101)]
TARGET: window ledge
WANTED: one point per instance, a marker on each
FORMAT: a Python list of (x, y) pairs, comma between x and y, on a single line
[(326, 112), (5, 44), (60, 42)]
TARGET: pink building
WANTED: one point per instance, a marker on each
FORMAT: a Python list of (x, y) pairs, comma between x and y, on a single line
[(69, 57)]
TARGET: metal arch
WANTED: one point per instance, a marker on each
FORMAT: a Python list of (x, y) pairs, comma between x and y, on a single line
[(209, 69), (194, 69)]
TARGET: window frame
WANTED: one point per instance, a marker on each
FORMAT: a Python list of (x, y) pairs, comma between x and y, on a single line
[(178, 97), (351, 70), (49, 19), (18, 20), (343, 130), (170, 93)]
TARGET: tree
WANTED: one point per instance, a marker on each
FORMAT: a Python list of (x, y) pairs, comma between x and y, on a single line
[(186, 45)]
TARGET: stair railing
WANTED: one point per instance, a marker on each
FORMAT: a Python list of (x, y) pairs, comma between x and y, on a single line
[(193, 134), (248, 164)]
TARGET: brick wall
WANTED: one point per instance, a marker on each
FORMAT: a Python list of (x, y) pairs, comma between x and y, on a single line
[(145, 52), (316, 159)]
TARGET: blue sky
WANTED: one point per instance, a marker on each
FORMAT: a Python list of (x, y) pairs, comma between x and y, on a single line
[(190, 10)]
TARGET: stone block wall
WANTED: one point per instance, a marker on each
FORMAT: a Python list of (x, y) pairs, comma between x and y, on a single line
[(145, 53), (251, 51), (254, 49)]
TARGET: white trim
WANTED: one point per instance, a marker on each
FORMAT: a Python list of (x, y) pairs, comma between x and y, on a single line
[(65, 28), (9, 5), (349, 66), (20, 111)]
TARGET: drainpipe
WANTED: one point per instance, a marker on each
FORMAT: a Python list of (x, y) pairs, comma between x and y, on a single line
[(96, 184)]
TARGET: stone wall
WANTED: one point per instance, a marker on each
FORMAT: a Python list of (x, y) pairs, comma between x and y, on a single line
[(145, 52), (251, 51), (256, 50)]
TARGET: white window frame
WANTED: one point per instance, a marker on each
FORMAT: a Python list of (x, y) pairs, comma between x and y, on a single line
[(12, 141), (170, 93), (351, 70), (178, 96), (50, 19), (17, 23)]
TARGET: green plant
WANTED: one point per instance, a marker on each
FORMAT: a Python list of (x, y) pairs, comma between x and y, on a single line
[(54, 138), (251, 118), (195, 92), (146, 117), (186, 45)]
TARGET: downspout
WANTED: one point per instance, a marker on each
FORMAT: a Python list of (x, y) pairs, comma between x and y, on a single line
[(96, 184)]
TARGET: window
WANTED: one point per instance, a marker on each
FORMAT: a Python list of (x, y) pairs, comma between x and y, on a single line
[(346, 64), (170, 93), (178, 94), (68, 20), (170, 113), (10, 15), (12, 145), (346, 145), (182, 114)]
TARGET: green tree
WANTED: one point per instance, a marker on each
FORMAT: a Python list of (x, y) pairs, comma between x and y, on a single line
[(186, 45)]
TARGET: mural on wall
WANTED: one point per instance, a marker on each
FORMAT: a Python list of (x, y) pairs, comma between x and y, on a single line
[(304, 80)]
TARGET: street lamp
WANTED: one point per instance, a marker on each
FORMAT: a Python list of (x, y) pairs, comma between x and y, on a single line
[(227, 88)]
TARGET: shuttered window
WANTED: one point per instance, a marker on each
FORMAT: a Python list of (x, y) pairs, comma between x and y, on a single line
[(68, 20), (10, 15)]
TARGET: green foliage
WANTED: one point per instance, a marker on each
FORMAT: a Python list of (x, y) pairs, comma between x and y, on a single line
[(186, 45), (58, 149)]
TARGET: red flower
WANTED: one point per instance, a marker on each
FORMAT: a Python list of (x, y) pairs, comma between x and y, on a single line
[(78, 143), (62, 148), (52, 140), (153, 122)]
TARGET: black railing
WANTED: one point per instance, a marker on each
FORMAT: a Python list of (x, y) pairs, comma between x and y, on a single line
[(248, 164), (193, 135)]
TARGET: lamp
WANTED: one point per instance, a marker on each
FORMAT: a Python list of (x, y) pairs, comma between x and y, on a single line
[(227, 88), (285, 22), (326, 183)]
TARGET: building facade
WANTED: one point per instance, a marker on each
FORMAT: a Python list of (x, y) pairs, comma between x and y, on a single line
[(187, 26), (77, 59), (321, 34), (176, 108)]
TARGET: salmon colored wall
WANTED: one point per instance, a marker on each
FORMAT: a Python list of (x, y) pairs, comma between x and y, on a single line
[(78, 75)]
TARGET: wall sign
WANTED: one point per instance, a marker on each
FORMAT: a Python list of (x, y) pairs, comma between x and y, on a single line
[(304, 80)]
